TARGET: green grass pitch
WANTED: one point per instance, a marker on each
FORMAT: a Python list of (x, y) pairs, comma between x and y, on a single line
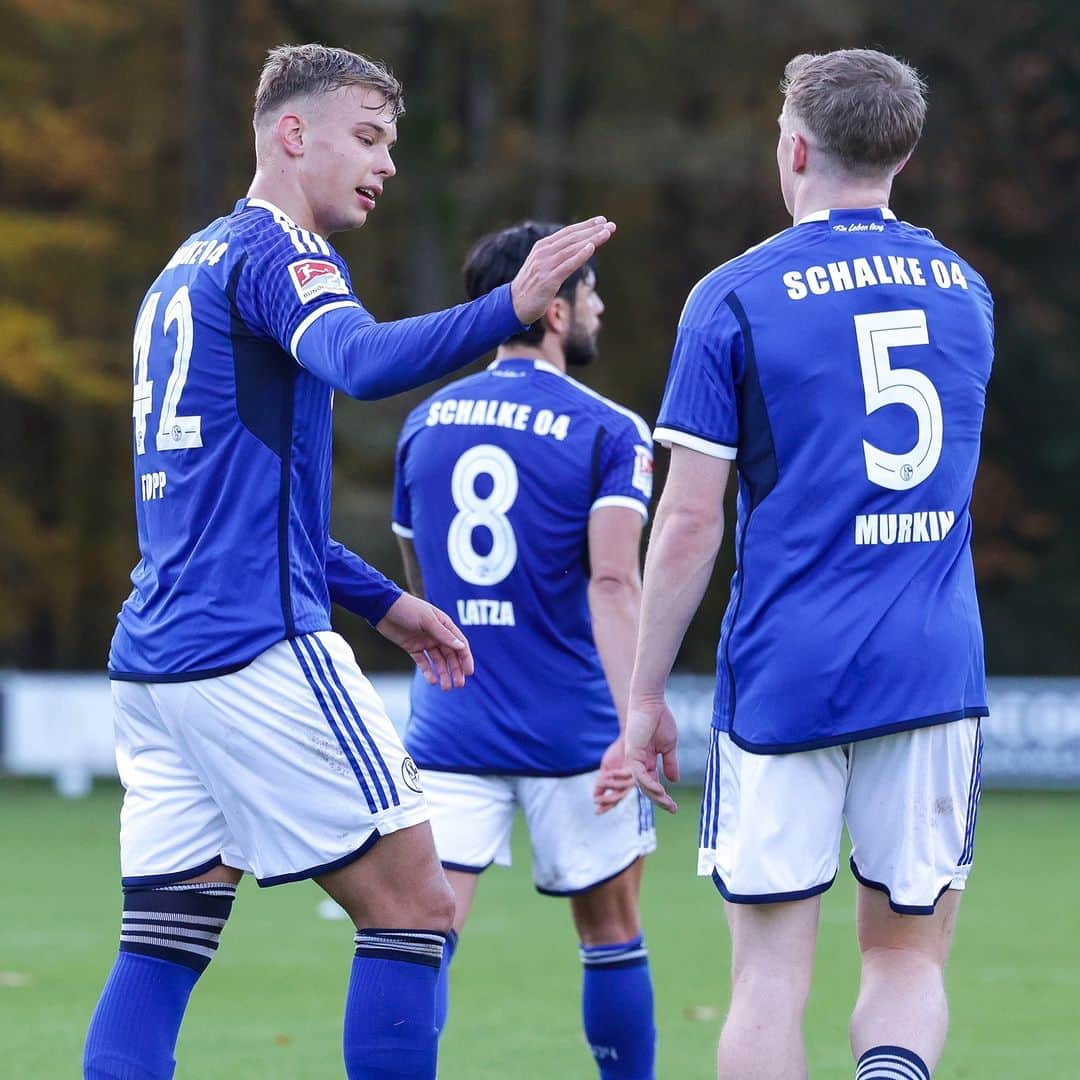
[(270, 1005)]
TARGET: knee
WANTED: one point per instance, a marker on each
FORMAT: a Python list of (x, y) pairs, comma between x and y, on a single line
[(441, 906), (607, 915), (430, 907), (765, 979), (900, 960), (609, 928)]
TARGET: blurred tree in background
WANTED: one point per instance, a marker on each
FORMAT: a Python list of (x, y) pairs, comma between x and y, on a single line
[(128, 126)]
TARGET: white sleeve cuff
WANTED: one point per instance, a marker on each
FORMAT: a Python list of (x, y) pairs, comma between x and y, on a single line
[(318, 313), (668, 436), (621, 500), (401, 530)]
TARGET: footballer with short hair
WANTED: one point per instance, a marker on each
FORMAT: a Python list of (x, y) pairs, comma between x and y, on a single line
[(247, 738)]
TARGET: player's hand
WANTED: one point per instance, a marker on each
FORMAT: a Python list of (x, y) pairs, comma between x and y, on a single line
[(614, 780), (552, 260), (651, 731), (438, 648)]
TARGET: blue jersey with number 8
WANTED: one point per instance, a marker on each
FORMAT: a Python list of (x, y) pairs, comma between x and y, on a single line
[(496, 478), (843, 366)]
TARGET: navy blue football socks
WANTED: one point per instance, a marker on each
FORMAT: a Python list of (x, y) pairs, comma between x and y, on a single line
[(442, 990), (390, 1008), (170, 933), (891, 1063), (617, 1009)]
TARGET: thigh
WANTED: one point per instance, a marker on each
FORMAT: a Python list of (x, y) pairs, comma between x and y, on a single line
[(575, 849), (880, 927), (911, 809), (171, 828), (398, 883), (300, 756), (775, 940), (471, 818), (771, 823)]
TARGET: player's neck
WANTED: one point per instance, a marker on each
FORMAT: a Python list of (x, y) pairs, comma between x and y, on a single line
[(554, 357), (814, 198), (285, 196)]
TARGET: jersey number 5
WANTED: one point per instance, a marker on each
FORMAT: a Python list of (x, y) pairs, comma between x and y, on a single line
[(174, 432), (885, 385), (487, 512)]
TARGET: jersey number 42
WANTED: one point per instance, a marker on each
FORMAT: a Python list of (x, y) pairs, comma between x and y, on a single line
[(174, 432)]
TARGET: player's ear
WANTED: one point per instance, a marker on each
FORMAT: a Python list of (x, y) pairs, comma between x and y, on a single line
[(290, 134), (900, 168), (800, 152), (557, 316)]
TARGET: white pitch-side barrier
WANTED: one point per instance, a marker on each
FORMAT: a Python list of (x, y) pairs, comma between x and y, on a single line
[(59, 725)]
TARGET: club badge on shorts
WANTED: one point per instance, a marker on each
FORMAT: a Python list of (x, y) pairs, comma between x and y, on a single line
[(411, 775)]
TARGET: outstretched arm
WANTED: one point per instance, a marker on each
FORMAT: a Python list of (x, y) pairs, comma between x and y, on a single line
[(343, 344), (685, 540)]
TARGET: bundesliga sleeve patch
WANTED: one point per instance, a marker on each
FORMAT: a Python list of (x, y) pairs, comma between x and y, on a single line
[(316, 277), (643, 469)]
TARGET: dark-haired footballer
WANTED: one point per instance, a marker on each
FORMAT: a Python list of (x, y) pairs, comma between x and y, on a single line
[(519, 502)]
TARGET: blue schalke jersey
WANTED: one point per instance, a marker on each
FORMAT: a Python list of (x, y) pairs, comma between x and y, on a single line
[(843, 365), (239, 344), (497, 475)]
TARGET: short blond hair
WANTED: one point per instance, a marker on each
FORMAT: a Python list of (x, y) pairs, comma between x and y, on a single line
[(291, 70), (864, 107)]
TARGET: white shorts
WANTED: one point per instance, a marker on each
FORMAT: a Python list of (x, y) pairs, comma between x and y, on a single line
[(574, 849), (771, 823), (285, 769)]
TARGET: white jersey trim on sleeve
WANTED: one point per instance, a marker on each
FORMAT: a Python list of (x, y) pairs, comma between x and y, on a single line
[(318, 313), (401, 530), (667, 436), (620, 500)]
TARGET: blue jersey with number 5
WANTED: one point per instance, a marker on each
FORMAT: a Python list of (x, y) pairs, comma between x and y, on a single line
[(497, 475), (843, 366)]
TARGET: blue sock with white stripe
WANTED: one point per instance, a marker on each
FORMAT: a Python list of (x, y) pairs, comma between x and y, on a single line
[(617, 1009), (169, 935), (442, 989), (390, 1009), (891, 1063)]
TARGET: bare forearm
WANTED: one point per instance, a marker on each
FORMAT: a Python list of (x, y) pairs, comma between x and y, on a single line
[(678, 566), (414, 579), (615, 606)]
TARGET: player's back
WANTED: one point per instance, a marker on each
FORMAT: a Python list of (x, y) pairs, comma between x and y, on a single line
[(497, 475), (852, 354)]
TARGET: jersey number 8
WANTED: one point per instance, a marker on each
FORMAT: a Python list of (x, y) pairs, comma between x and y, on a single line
[(487, 512)]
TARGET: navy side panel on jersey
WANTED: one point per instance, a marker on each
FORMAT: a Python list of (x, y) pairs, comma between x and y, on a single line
[(496, 478), (843, 365), (238, 346)]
